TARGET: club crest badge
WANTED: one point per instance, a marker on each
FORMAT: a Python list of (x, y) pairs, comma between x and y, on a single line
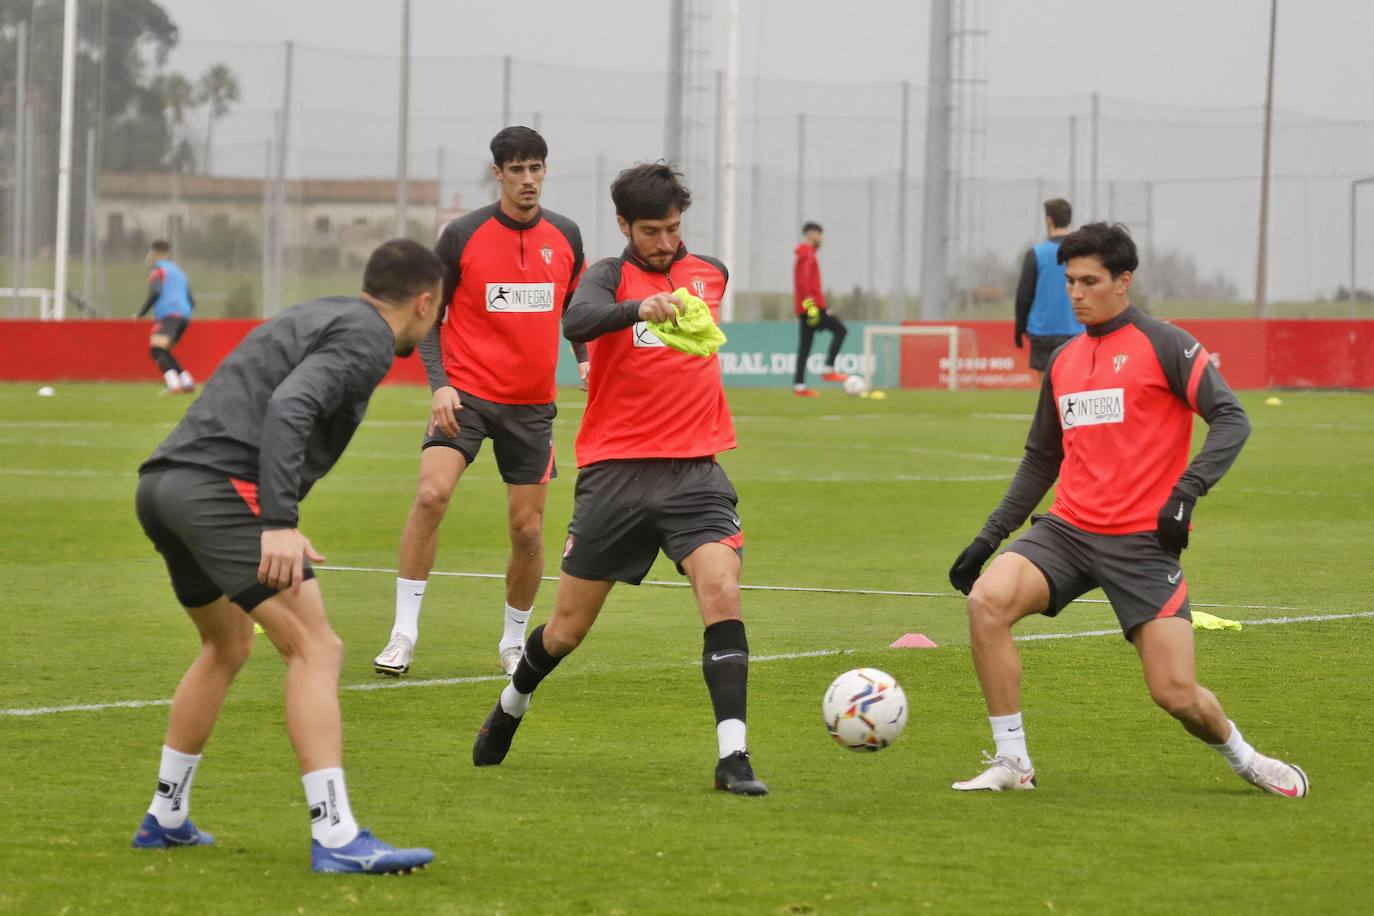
[(699, 287), (547, 252), (1118, 361)]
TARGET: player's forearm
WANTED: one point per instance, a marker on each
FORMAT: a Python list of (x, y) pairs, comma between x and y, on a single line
[(148, 304), (1227, 430), (1032, 481), (432, 355), (279, 467), (586, 319)]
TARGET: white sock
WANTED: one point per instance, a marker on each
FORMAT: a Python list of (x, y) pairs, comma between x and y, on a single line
[(331, 818), (172, 800), (514, 702), (409, 594), (1236, 750), (798, 387), (730, 736), (1010, 737), (185, 379), (516, 621), (172, 379)]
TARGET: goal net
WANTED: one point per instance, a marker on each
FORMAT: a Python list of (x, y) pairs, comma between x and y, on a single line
[(26, 302), (920, 356)]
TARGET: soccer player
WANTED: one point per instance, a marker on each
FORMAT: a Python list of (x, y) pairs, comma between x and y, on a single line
[(509, 269), (219, 500), (648, 477), (1114, 424), (812, 314), (169, 299), (1042, 300)]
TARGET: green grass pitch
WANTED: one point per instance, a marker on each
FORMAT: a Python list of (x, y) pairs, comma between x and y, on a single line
[(605, 804)]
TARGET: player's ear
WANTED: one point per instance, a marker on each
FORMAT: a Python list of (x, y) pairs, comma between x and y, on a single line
[(1123, 281), (624, 226), (496, 171)]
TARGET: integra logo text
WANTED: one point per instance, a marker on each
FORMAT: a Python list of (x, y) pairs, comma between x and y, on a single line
[(520, 297), (1091, 408)]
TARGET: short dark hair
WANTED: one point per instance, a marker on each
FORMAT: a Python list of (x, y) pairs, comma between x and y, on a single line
[(400, 269), (515, 144), (1112, 245), (649, 190), (1060, 212), (160, 246), (807, 227)]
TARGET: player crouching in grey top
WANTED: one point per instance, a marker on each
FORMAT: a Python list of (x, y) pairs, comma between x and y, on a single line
[(219, 500)]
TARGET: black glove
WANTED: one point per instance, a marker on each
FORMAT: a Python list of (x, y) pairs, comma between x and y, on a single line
[(1174, 517), (1018, 338), (969, 564)]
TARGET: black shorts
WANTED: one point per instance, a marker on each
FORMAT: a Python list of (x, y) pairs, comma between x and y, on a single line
[(1142, 580), (206, 527), (173, 326), (521, 436), (1042, 347), (625, 511)]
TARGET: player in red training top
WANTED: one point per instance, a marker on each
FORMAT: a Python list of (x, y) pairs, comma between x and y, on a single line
[(648, 477), (812, 313), (510, 269), (1114, 424)]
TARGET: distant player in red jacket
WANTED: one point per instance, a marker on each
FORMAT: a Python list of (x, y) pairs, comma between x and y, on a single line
[(1114, 425), (648, 478), (812, 313)]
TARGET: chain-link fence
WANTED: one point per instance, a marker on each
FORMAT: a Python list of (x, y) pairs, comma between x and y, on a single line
[(275, 192)]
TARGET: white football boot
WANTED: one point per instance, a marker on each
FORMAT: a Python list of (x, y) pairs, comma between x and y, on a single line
[(1275, 776), (510, 658), (1003, 774), (395, 658)]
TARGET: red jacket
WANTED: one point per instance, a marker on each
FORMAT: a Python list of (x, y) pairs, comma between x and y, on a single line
[(806, 277)]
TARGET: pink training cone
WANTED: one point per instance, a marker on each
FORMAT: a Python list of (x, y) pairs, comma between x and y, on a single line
[(914, 641)]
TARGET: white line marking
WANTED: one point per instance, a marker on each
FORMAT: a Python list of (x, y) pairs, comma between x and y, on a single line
[(84, 707), (1004, 416), (1267, 621)]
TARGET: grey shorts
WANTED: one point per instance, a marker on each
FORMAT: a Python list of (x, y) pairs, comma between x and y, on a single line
[(173, 326), (1042, 347), (1141, 579), (624, 512), (206, 527), (521, 436)]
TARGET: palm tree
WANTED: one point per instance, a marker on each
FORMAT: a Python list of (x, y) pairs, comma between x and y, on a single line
[(218, 89), (178, 98)]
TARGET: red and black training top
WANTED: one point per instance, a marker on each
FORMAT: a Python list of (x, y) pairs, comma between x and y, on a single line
[(645, 399), (1115, 424), (506, 284)]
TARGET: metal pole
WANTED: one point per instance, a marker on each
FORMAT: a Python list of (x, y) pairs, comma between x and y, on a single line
[(672, 112), (1262, 258), (727, 305), (801, 170), (898, 305), (599, 202), (21, 178), (87, 240), (1093, 161), (755, 223), (403, 128), (1073, 162), (872, 239), (64, 158), (1353, 185), (935, 230), (267, 221), (279, 220), (439, 169), (505, 92), (536, 121), (718, 173)]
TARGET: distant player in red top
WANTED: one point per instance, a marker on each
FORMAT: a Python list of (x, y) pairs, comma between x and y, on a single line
[(510, 270), (648, 477), (1114, 424), (812, 313)]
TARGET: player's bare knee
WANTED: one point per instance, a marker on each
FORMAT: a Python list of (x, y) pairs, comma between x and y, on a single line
[(527, 535), (559, 640), (232, 651), (432, 498), (1176, 697), (989, 609)]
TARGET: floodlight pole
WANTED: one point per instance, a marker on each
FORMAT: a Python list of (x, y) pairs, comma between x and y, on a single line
[(677, 47), (1261, 260), (64, 158), (403, 128), (21, 178), (1354, 185), (935, 216), (727, 248)]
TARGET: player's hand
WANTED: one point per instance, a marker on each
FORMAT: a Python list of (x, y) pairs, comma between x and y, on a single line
[(660, 307), (969, 564), (284, 551), (444, 407), (1020, 340), (582, 370), (1175, 516)]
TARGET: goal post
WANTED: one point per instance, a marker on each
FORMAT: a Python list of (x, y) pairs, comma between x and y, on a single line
[(876, 371), (12, 300)]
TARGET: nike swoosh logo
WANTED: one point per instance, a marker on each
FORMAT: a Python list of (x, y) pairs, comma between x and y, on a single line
[(1027, 778), (1174, 577), (721, 656), (1191, 351), (1179, 516), (1291, 793)]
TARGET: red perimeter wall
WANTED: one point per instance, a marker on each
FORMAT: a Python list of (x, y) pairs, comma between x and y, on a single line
[(1297, 353)]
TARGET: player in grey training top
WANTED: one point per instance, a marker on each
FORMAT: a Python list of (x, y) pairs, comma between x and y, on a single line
[(219, 500)]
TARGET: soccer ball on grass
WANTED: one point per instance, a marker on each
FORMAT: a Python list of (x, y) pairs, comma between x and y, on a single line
[(855, 385), (865, 709)]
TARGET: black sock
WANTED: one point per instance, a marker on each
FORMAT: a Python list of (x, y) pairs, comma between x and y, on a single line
[(725, 664), (176, 365), (164, 360), (535, 665)]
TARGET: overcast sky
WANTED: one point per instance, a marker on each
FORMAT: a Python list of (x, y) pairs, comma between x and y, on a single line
[(1198, 53)]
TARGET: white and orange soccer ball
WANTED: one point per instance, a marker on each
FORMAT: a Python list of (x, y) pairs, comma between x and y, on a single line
[(865, 709), (855, 385)]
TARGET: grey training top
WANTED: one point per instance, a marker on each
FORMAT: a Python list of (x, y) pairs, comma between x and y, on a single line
[(282, 407)]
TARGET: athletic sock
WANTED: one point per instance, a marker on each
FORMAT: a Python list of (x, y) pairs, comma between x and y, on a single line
[(535, 665), (171, 378), (331, 817), (175, 364), (172, 800), (516, 621), (185, 378), (725, 665), (1237, 751), (409, 594), (1010, 737), (798, 387)]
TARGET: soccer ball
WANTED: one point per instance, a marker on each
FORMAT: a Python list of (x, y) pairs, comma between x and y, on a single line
[(855, 385), (865, 709)]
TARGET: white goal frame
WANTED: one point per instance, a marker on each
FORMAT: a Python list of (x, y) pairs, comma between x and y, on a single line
[(949, 331), (44, 297)]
